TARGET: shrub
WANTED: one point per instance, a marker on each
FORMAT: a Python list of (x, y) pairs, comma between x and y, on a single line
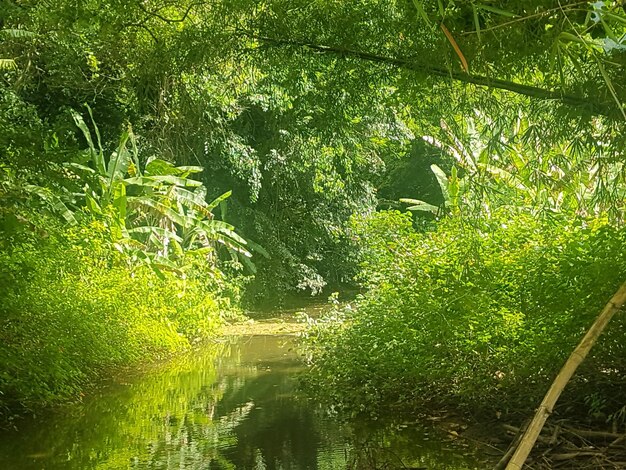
[(480, 315), (71, 308)]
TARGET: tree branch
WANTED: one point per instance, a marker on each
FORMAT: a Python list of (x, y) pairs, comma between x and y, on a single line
[(480, 80), (169, 20)]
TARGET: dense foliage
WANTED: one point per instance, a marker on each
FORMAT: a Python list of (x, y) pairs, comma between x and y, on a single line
[(156, 153), (478, 314), (73, 307), (101, 269)]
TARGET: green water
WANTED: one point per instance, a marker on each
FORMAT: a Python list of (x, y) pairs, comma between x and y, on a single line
[(231, 405)]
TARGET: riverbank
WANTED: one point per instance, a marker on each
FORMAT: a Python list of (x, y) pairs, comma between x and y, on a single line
[(73, 311)]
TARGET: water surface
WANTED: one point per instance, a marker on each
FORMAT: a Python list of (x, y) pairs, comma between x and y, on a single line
[(230, 405)]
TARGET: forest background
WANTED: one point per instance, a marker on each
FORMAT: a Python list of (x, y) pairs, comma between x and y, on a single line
[(164, 161)]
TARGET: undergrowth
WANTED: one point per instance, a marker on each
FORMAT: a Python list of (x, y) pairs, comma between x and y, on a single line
[(478, 316), (73, 308)]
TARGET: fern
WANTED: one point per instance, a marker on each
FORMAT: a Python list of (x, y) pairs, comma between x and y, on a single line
[(7, 64), (17, 33)]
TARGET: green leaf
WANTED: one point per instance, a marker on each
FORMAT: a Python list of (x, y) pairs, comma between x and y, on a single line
[(419, 6), (78, 166), (476, 21), (163, 263), (142, 181), (161, 232), (229, 230), (234, 246), (223, 233), (565, 36), (454, 188), (497, 11), (118, 164), (17, 33), (159, 208), (96, 157), (192, 200), (247, 262), (188, 170), (158, 166), (53, 201), (92, 206), (615, 17), (258, 249), (96, 129), (120, 200), (420, 205), (7, 64), (135, 155), (442, 179), (215, 202), (223, 210), (442, 11), (175, 180)]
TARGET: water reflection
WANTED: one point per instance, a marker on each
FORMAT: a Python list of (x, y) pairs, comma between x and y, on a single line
[(228, 406)]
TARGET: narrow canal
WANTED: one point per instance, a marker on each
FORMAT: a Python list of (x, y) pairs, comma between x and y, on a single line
[(228, 405)]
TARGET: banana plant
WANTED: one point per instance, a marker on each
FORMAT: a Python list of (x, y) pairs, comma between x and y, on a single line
[(158, 213), (452, 189)]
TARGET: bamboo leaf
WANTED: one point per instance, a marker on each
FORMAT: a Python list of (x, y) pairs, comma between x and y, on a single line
[(497, 11), (609, 84), (455, 46), (565, 36), (419, 6), (476, 21), (615, 17), (454, 188)]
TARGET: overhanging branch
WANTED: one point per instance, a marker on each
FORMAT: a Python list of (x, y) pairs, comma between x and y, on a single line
[(480, 80)]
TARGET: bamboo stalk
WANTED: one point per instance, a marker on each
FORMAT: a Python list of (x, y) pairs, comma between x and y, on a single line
[(576, 358)]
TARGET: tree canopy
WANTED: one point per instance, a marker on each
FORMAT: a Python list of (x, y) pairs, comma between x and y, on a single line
[(459, 162)]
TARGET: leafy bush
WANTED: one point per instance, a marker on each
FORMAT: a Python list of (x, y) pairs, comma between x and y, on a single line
[(71, 308), (480, 315)]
